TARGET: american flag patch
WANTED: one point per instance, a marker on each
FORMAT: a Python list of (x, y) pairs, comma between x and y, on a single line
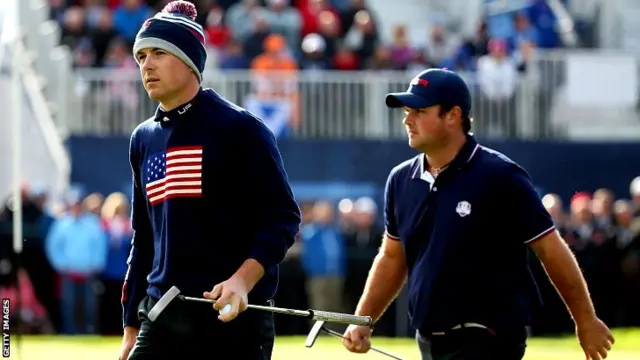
[(173, 174)]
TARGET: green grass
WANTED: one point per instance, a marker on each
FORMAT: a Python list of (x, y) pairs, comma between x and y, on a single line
[(627, 347)]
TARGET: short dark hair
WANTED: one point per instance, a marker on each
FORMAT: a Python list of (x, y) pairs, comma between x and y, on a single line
[(466, 119)]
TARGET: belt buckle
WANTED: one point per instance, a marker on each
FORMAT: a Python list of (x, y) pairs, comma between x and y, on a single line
[(471, 325)]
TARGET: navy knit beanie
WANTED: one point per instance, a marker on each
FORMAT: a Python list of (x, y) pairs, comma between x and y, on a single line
[(174, 30)]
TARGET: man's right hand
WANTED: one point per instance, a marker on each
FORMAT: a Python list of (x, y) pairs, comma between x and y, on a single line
[(357, 339), (128, 341)]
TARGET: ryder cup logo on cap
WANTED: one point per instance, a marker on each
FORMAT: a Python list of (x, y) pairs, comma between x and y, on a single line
[(174, 30), (433, 87)]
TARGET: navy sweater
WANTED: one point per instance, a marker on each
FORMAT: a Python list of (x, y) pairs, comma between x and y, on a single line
[(209, 192)]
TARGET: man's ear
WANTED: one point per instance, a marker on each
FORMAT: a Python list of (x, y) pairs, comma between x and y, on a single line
[(453, 114)]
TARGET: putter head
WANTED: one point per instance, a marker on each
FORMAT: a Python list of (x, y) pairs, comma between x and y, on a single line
[(164, 301), (314, 333)]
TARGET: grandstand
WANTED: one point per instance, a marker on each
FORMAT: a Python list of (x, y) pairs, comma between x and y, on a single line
[(76, 56), (556, 86)]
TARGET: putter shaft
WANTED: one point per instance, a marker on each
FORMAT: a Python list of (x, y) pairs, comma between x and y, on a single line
[(256, 307), (338, 335), (309, 314)]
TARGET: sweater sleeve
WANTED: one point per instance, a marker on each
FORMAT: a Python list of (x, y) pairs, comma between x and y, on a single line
[(141, 255), (279, 219)]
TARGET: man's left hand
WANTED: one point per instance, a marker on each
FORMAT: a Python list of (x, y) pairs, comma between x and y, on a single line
[(595, 338), (233, 292)]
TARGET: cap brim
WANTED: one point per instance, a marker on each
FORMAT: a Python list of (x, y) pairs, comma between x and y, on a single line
[(413, 101)]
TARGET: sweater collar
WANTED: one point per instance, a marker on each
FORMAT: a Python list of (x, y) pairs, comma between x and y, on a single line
[(179, 112)]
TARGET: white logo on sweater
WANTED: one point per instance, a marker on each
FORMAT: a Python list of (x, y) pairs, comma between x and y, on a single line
[(463, 209)]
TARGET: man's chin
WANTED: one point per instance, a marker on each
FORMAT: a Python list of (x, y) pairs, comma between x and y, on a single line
[(154, 94), (413, 143)]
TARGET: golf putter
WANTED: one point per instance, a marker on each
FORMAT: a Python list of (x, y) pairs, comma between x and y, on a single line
[(317, 315), (164, 301), (319, 326), (327, 316)]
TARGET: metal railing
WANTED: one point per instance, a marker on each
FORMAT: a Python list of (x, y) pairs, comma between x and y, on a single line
[(327, 104)]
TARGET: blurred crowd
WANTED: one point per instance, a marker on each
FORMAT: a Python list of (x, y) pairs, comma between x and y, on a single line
[(290, 37), (305, 34), (604, 233), (74, 260)]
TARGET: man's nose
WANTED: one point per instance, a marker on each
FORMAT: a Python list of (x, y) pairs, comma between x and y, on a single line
[(147, 64)]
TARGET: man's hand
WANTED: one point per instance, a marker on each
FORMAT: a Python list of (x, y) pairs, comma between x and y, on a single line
[(128, 341), (565, 274), (357, 339), (595, 338), (233, 291)]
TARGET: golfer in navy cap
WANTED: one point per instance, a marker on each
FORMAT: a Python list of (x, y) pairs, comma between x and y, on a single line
[(459, 219)]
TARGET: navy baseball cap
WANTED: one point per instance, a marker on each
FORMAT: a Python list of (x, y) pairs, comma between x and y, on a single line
[(433, 87)]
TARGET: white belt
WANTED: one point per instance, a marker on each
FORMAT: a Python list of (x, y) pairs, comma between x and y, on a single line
[(462, 326)]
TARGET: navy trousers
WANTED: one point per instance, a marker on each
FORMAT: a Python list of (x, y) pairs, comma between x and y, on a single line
[(189, 330)]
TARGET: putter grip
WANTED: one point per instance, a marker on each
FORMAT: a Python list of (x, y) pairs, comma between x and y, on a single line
[(341, 318)]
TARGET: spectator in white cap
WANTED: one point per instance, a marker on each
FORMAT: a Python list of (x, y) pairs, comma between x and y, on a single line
[(314, 56)]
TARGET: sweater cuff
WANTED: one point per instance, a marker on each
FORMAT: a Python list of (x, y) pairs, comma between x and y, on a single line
[(131, 319), (130, 303)]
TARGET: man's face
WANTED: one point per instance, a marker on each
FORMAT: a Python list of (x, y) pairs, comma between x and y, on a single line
[(624, 215), (426, 129), (364, 219), (163, 74), (602, 206), (323, 213), (581, 210)]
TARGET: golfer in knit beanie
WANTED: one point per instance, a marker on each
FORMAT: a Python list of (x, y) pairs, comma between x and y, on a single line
[(174, 30)]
